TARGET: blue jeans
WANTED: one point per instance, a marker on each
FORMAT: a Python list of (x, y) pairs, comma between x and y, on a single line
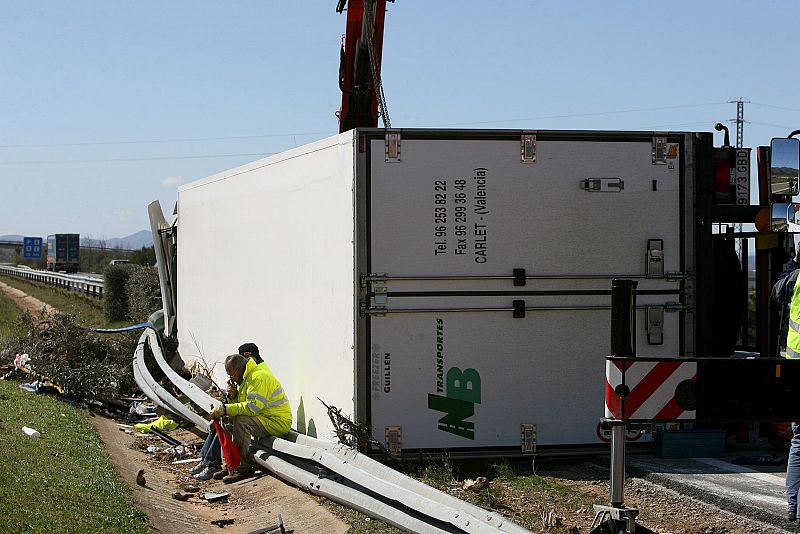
[(793, 470), (211, 453)]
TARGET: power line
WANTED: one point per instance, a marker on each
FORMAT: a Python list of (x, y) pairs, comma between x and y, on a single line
[(775, 107), (772, 125), (111, 160), (154, 141), (595, 113)]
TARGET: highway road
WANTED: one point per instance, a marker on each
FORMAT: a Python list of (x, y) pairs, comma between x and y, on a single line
[(754, 491)]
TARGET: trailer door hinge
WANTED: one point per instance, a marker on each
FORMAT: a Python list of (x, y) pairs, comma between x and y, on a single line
[(527, 437), (392, 142), (659, 150), (527, 149), (394, 440), (654, 317), (655, 258), (614, 185)]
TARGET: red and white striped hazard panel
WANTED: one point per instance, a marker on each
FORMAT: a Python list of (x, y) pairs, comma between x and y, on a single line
[(650, 390)]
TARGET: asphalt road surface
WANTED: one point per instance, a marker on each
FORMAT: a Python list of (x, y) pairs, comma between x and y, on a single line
[(756, 491)]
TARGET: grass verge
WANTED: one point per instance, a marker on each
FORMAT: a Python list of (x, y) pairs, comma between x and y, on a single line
[(63, 481), (88, 311), (9, 314)]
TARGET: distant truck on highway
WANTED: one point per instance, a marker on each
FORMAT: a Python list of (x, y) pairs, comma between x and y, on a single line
[(63, 252)]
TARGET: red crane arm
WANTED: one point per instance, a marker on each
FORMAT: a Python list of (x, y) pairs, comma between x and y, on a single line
[(356, 77)]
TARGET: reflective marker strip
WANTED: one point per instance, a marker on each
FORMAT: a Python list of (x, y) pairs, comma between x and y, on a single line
[(792, 354), (277, 402), (651, 385)]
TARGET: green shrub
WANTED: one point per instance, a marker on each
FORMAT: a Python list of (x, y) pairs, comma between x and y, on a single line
[(115, 291), (144, 292)]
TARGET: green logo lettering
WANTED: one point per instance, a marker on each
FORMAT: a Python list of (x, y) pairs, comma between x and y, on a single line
[(463, 392)]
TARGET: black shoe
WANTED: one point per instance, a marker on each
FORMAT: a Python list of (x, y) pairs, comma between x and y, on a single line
[(241, 473)]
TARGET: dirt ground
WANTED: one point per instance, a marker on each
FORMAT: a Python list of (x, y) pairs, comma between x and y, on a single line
[(24, 301), (253, 503)]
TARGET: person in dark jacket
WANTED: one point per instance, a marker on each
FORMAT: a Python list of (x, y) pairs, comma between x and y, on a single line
[(786, 291)]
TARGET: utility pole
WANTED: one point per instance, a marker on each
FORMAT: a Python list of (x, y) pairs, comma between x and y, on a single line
[(739, 120)]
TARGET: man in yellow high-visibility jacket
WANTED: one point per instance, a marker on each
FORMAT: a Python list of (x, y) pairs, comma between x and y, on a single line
[(261, 409), (787, 291)]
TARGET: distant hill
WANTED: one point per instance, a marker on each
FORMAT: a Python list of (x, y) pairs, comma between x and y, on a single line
[(143, 238), (135, 241), (11, 237)]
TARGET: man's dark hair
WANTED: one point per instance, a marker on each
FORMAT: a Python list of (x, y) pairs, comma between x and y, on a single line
[(250, 349)]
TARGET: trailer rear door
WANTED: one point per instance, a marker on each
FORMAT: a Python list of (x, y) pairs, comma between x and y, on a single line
[(489, 273)]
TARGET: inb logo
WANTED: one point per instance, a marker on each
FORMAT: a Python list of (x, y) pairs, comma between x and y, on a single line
[(463, 392)]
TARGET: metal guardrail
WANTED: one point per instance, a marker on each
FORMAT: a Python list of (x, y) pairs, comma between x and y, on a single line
[(82, 284)]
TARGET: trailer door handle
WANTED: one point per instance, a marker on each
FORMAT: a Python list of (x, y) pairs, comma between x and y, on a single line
[(612, 185)]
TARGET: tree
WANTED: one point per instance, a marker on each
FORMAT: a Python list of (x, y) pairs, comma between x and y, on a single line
[(146, 256)]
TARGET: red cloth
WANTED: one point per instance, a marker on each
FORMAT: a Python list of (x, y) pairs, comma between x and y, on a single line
[(229, 449)]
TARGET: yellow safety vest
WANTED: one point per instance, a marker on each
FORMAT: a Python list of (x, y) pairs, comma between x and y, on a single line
[(793, 335), (261, 395)]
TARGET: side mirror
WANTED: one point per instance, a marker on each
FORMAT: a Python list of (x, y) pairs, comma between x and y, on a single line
[(785, 168), (786, 217)]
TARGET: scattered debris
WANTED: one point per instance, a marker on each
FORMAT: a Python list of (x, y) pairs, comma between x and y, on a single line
[(171, 454), (181, 496), (164, 437), (211, 496), (186, 461), (550, 519), (222, 522), (479, 483), (274, 528), (354, 434), (21, 363), (30, 432), (140, 478), (162, 423), (141, 408), (42, 386), (191, 489)]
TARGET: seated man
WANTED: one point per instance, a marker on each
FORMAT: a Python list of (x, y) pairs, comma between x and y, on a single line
[(210, 455), (261, 409)]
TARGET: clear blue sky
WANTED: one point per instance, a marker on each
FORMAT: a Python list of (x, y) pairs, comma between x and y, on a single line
[(105, 106)]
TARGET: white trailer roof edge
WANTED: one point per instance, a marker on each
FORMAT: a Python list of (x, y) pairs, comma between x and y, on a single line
[(345, 138)]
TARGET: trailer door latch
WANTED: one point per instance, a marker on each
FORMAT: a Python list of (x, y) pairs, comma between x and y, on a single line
[(613, 185), (394, 440), (527, 148), (655, 258), (381, 294), (527, 435), (655, 325), (392, 146)]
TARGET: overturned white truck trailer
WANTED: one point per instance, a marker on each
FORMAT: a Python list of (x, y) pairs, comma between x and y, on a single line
[(451, 288)]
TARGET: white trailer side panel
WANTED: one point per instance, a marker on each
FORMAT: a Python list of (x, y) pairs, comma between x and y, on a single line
[(265, 255), (456, 207)]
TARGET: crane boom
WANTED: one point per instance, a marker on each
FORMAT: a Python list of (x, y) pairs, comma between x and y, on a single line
[(360, 62)]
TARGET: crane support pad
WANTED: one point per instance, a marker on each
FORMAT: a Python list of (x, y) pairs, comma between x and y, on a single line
[(702, 389)]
